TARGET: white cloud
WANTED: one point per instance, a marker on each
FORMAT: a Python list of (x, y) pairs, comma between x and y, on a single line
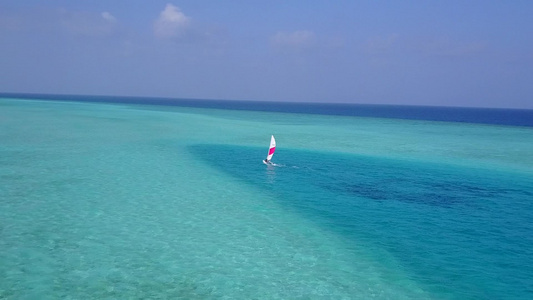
[(380, 44), (80, 23), (299, 39), (172, 23), (85, 23), (108, 17), (445, 46)]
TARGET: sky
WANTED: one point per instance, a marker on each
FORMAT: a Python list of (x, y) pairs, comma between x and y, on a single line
[(446, 53)]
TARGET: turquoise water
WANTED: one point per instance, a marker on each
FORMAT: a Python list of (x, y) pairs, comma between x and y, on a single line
[(124, 201)]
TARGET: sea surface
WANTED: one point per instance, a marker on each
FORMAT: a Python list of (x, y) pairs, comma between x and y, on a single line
[(137, 198)]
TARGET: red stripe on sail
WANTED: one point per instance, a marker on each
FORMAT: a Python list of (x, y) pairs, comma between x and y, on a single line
[(271, 151)]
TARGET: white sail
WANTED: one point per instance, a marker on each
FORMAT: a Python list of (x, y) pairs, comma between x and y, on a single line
[(271, 149)]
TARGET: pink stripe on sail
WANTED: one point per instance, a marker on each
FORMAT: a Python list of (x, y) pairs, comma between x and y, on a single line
[(271, 151)]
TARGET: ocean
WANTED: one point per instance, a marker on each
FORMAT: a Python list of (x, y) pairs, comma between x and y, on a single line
[(139, 198)]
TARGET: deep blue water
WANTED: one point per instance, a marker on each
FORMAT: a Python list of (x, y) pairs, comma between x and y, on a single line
[(513, 117), (462, 232)]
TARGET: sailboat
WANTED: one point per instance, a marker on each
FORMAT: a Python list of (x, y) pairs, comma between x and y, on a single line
[(271, 150)]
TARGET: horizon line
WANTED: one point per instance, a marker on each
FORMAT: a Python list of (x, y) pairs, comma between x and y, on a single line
[(64, 97)]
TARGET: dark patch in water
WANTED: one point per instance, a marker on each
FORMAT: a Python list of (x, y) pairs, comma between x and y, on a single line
[(342, 179), (444, 223)]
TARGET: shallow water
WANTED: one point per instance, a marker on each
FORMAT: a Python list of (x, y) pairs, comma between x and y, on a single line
[(125, 201)]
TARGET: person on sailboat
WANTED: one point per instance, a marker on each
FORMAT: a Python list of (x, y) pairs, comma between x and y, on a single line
[(271, 150)]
